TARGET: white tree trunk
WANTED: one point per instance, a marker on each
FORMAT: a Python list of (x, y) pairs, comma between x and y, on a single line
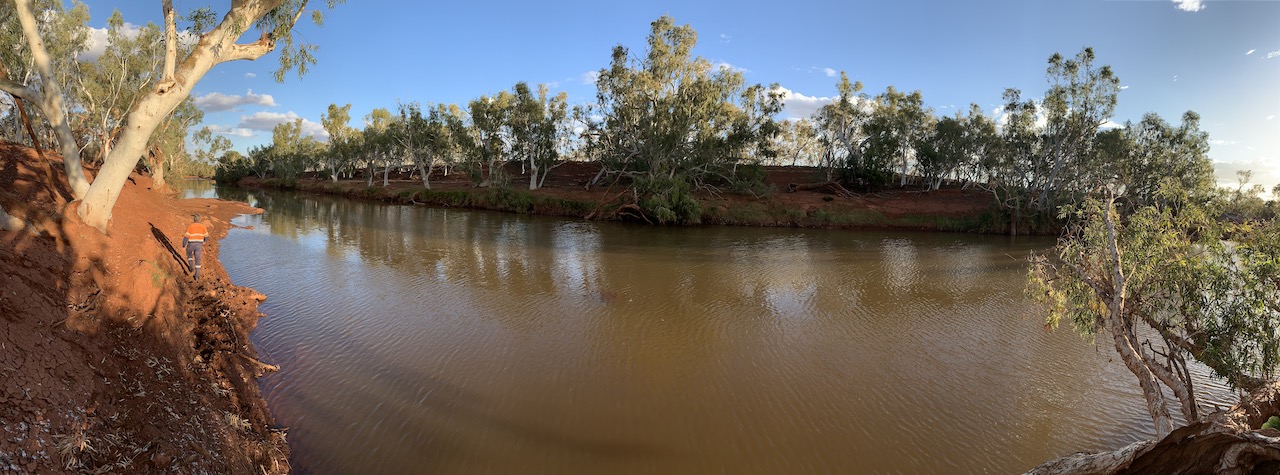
[(157, 173), (215, 47), (50, 102), (426, 175)]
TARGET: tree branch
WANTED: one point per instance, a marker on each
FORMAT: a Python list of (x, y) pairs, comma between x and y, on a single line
[(21, 90), (170, 43)]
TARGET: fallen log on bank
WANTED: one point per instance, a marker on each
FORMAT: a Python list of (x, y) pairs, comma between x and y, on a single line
[(832, 187), (1223, 444)]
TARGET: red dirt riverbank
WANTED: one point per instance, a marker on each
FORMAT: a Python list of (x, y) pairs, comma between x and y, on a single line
[(112, 360), (564, 194)]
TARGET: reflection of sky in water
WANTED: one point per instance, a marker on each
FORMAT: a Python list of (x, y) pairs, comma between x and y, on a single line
[(576, 246), (465, 342), (900, 262)]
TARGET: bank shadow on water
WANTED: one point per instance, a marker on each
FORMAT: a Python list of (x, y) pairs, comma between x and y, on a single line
[(453, 341)]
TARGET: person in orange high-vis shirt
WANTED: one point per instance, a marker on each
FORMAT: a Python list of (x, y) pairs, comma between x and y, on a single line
[(193, 240)]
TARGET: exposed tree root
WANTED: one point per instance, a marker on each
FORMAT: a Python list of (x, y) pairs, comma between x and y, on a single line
[(1224, 444)]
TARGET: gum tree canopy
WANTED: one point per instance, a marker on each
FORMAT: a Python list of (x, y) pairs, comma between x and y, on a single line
[(273, 19), (1168, 283)]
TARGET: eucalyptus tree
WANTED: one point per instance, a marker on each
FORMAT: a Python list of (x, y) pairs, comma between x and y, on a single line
[(982, 134), (673, 121), (897, 122), (335, 121), (1168, 284), (943, 150), (230, 166), (426, 139), (210, 148), (108, 87), (1012, 163), (260, 159), (490, 139), (538, 124), (798, 141), (45, 47), (839, 126), (286, 142), (1148, 153), (166, 149), (378, 144), (350, 150), (274, 19), (1081, 98)]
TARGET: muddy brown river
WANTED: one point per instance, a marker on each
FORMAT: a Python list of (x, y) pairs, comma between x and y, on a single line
[(417, 340)]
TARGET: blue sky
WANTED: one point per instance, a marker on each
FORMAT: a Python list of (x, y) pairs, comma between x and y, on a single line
[(1218, 58)]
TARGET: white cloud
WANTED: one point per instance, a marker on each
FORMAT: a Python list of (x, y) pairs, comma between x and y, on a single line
[(98, 40), (1190, 5), (265, 121), (250, 75), (1273, 54), (233, 131), (724, 65), (1108, 125), (1123, 87), (725, 38), (218, 102), (797, 105), (589, 78), (829, 72), (1042, 120), (1272, 116), (1249, 52), (1222, 142)]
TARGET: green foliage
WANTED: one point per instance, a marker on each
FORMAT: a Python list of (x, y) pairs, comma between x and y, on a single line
[(1203, 289), (510, 200), (484, 143), (1273, 423), (667, 200), (538, 126), (669, 114), (278, 25), (231, 167), (839, 128), (748, 179)]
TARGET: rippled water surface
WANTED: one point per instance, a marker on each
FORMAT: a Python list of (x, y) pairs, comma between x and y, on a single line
[(419, 340)]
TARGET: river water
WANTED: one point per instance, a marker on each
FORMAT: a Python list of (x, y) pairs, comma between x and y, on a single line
[(418, 340)]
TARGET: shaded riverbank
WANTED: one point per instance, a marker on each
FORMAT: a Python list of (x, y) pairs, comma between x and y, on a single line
[(564, 194), (112, 359)]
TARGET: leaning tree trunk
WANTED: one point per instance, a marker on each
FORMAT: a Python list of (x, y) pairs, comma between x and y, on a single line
[(50, 101), (424, 167), (216, 46), (1126, 339)]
